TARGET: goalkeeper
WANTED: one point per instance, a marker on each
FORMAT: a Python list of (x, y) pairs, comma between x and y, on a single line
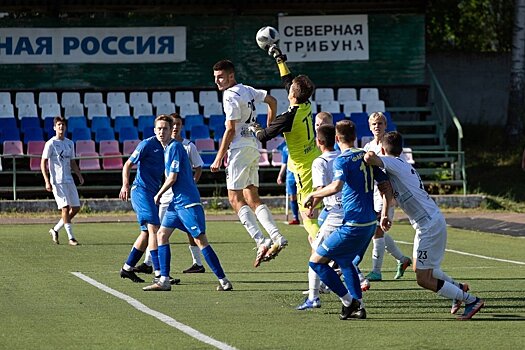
[(297, 126)]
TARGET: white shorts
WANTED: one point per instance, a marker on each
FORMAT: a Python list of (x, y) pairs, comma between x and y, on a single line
[(243, 168), (430, 242), (332, 222), (66, 194)]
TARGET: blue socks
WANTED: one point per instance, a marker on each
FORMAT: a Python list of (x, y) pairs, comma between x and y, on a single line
[(155, 259), (164, 259), (213, 261), (134, 257), (295, 209), (330, 278)]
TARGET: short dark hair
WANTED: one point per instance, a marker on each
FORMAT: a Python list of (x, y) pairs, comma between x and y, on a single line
[(59, 118), (326, 133), (303, 88), (345, 129), (164, 118), (393, 143), (175, 116), (225, 65)]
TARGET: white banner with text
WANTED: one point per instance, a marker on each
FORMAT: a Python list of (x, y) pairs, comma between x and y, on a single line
[(92, 45), (324, 38)]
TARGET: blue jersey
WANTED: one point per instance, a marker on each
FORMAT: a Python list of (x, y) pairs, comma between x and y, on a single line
[(358, 188), (185, 190), (149, 156)]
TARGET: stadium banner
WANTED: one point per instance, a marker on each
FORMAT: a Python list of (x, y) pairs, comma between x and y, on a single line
[(324, 38), (92, 45)]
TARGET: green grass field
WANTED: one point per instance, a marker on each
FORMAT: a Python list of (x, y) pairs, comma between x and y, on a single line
[(44, 306)]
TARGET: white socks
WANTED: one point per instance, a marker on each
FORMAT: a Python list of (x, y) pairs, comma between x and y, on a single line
[(392, 248), (346, 300), (69, 231), (313, 284), (378, 253), (195, 254), (249, 220), (147, 258), (59, 225), (451, 291), (266, 219)]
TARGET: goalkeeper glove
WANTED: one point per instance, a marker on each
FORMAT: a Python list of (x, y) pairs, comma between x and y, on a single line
[(276, 53)]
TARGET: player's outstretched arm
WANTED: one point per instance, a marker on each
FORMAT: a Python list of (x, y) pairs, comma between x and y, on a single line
[(284, 71)]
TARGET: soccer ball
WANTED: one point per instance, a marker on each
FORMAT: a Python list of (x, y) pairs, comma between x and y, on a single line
[(267, 36)]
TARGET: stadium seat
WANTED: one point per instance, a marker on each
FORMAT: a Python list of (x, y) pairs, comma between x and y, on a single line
[(27, 110), (218, 133), (314, 107), (146, 121), (375, 106), (274, 143), (205, 144), (100, 122), (129, 146), (207, 158), (45, 98), (115, 98), (142, 109), (70, 98), (207, 97), (199, 132), (166, 108), (149, 132), (184, 97), (89, 164), (263, 159), (338, 117), (76, 109), (8, 123), (51, 110), (161, 97), (92, 98), (261, 108), (368, 94), (212, 108), (350, 107), (128, 133), (5, 98), (122, 122), (7, 111), (193, 119), (35, 148), (120, 109), (24, 98), (280, 94), (13, 148), (262, 120), (48, 126), (136, 98), (80, 134), (108, 146), (102, 134), (324, 95), (76, 122), (407, 155), (12, 134), (29, 122), (114, 162), (96, 109), (84, 146), (331, 107), (277, 158), (390, 124), (189, 108), (282, 106), (215, 120), (346, 95), (33, 134)]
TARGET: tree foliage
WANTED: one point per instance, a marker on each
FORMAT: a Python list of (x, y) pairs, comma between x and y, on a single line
[(469, 25)]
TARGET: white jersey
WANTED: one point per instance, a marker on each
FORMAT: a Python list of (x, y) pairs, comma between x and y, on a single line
[(239, 105), (59, 154), (410, 192), (195, 162), (378, 200), (323, 174)]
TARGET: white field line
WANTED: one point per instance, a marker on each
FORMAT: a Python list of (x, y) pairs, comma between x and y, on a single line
[(158, 315), (474, 255)]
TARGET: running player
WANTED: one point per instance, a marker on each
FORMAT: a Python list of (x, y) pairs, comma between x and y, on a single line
[(431, 229), (242, 173)]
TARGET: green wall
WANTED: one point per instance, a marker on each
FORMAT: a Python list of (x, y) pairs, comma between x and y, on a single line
[(397, 56)]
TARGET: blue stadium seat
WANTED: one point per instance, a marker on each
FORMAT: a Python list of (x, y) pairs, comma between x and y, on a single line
[(193, 119), (338, 117), (8, 123), (146, 121), (218, 133), (216, 120), (199, 132), (128, 133), (148, 132), (76, 122), (99, 123), (9, 135), (390, 125), (48, 126), (81, 134), (123, 122), (33, 134), (102, 134), (207, 158), (262, 120), (28, 122)]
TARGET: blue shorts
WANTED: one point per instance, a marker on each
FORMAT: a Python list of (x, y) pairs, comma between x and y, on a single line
[(145, 208), (291, 188), (190, 220), (345, 243)]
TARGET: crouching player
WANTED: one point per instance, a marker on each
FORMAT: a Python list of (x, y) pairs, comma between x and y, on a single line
[(356, 181), (185, 212)]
